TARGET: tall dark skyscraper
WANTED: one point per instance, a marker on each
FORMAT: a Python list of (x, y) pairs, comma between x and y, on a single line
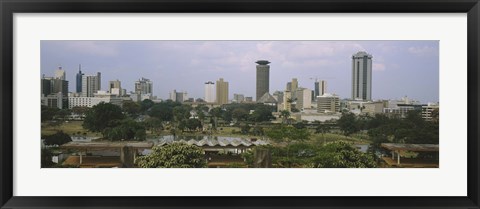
[(263, 78), (362, 76), (79, 79)]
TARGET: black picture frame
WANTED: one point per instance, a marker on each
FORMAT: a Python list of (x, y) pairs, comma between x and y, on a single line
[(10, 7)]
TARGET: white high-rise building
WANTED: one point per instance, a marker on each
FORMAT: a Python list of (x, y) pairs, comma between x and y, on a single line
[(60, 73), (362, 76), (209, 92)]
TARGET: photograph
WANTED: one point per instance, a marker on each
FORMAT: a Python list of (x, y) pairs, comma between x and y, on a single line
[(239, 104)]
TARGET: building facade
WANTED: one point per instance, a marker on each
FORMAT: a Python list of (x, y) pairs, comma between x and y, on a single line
[(362, 76), (320, 88), (79, 80), (144, 86), (263, 78), (239, 98), (91, 84), (115, 87), (304, 98), (209, 92), (328, 103), (222, 92), (60, 73)]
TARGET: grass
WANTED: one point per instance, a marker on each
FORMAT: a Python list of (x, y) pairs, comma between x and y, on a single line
[(70, 127)]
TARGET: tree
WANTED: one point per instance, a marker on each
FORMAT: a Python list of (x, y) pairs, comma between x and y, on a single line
[(62, 114), (175, 155), (126, 129), (323, 128), (284, 114), (48, 113), (216, 112), (146, 105), (101, 116), (347, 123), (46, 158), (154, 124), (287, 134), (240, 114), (262, 113), (58, 138), (161, 111), (341, 154), (193, 124), (131, 107), (79, 110)]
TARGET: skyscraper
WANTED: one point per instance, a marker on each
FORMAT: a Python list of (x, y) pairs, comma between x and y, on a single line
[(222, 92), (60, 73), (79, 79), (90, 84), (263, 78), (209, 92), (292, 87), (320, 88), (143, 86), (362, 76)]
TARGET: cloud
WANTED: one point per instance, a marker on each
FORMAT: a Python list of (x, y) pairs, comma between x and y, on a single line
[(378, 67), (423, 51), (104, 48)]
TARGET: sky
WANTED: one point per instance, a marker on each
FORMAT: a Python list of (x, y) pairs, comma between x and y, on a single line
[(400, 68)]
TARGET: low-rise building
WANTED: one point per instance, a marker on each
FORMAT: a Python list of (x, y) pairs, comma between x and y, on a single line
[(328, 103)]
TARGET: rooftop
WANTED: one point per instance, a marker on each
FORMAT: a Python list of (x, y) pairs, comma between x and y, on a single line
[(411, 147), (262, 62)]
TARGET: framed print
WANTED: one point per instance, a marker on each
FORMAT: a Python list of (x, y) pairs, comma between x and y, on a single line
[(196, 104)]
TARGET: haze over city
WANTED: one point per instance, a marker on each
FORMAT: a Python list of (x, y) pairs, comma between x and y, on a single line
[(400, 68)]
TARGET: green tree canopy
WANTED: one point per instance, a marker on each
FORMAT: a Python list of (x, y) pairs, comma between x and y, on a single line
[(126, 129), (348, 123), (58, 138), (341, 154), (146, 105), (130, 107), (175, 155), (48, 113), (101, 116)]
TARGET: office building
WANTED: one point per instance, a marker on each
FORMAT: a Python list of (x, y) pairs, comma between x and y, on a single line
[(320, 88), (222, 92), (209, 92), (239, 98), (91, 84), (278, 95), (292, 87), (287, 102), (79, 79), (178, 96), (328, 103), (304, 98), (115, 87), (263, 78), (54, 92), (362, 76), (144, 86), (100, 96), (60, 73)]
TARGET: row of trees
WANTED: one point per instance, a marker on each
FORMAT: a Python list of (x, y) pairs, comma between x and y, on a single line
[(109, 120), (411, 129)]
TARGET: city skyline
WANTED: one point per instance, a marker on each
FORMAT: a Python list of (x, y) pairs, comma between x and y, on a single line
[(187, 65)]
